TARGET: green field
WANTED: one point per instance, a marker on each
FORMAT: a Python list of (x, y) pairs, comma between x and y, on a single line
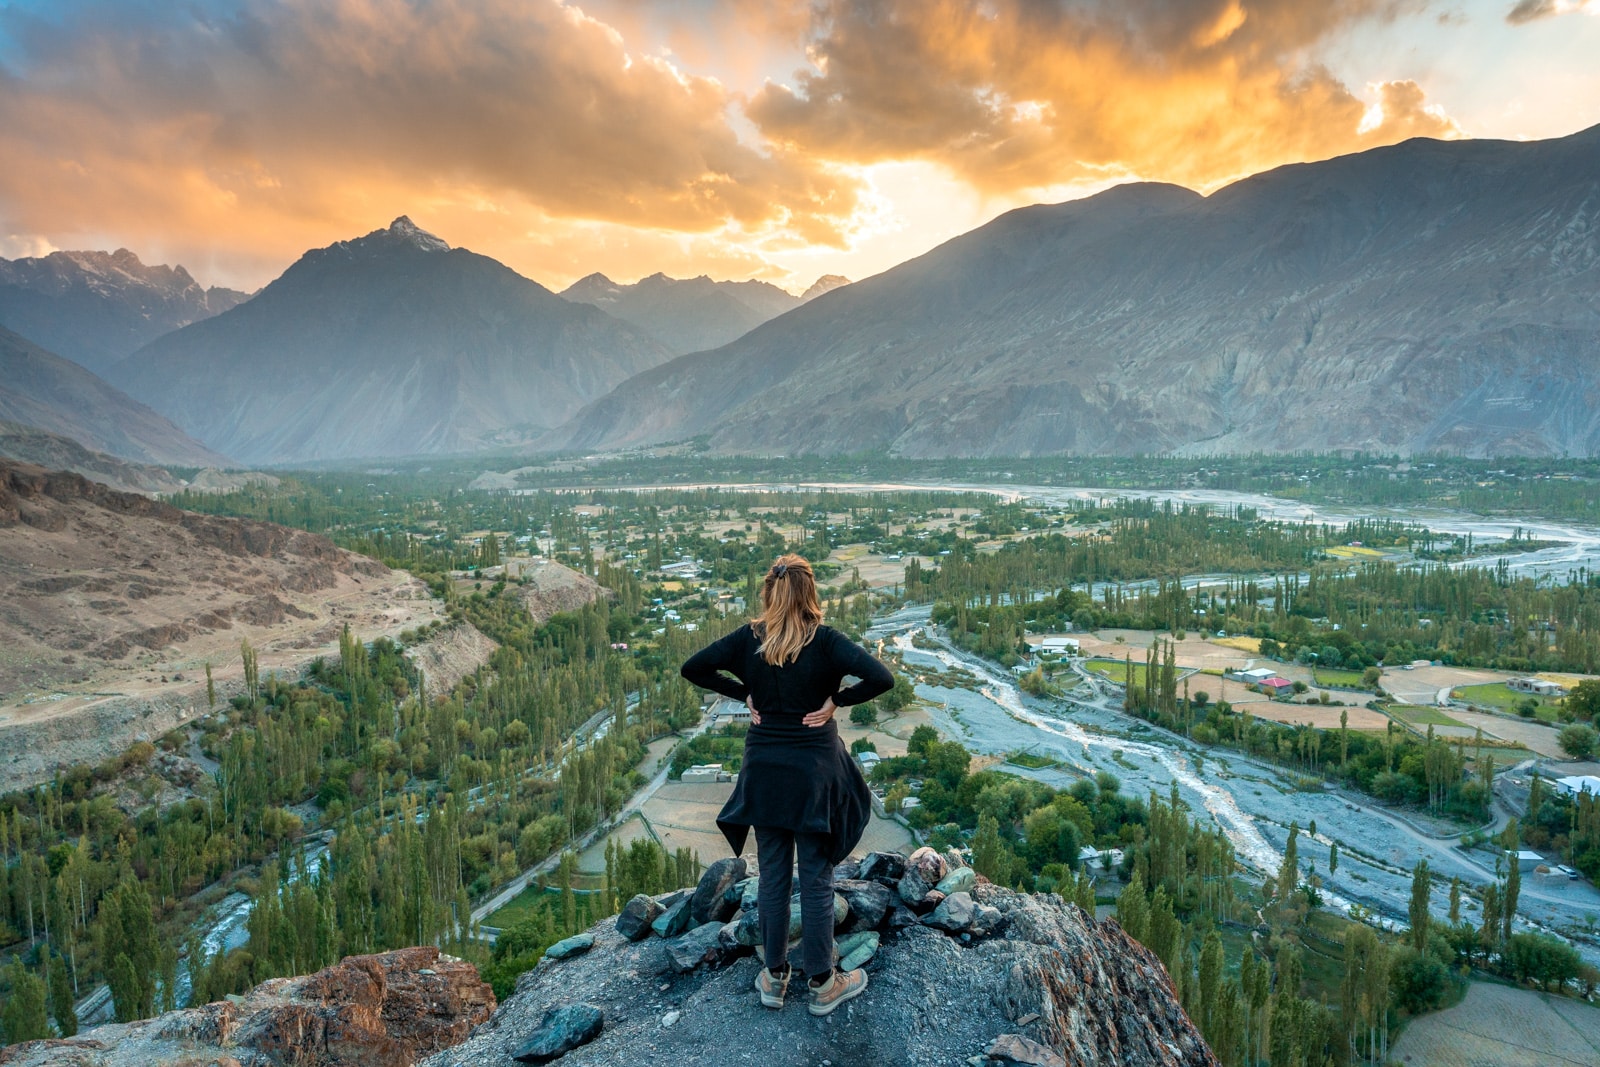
[(1421, 715), (1116, 670), (1032, 759), (534, 899), (1497, 696), (1335, 676)]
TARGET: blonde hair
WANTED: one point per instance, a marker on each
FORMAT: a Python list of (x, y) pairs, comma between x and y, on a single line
[(790, 610)]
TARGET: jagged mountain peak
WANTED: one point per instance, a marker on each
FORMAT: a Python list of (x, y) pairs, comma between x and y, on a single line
[(825, 284), (406, 230)]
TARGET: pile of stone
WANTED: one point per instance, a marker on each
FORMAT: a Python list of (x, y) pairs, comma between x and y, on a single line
[(719, 921)]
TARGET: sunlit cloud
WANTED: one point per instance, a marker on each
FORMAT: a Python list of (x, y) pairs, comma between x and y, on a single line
[(741, 138)]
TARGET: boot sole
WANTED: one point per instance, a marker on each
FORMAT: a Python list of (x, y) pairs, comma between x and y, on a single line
[(820, 1010)]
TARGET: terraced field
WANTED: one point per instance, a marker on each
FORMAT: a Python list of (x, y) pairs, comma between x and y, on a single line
[(1507, 1027)]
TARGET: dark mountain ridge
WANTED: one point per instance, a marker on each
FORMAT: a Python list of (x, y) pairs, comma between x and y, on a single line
[(390, 344), (95, 308), (1427, 295), (40, 390)]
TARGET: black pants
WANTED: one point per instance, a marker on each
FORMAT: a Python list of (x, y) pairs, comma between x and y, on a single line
[(775, 852)]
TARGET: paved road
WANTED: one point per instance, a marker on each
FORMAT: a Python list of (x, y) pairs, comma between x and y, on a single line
[(509, 892)]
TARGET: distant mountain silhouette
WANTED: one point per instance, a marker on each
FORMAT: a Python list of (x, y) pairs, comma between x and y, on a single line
[(1425, 296), (391, 344), (39, 389), (95, 308), (685, 315)]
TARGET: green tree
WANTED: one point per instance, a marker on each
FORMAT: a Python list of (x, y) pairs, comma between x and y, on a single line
[(1508, 902), (126, 939), (1333, 857), (1420, 918), (988, 851), (211, 687), (1455, 901), (1133, 908), (1584, 700), (900, 696), (62, 1005), (864, 714), (1578, 740), (23, 1016)]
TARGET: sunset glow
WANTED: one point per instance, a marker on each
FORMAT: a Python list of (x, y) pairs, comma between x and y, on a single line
[(779, 140)]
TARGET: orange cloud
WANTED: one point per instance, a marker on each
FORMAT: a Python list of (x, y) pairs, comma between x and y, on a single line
[(329, 116), (1016, 94)]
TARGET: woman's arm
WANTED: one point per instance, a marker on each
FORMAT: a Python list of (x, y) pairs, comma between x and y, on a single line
[(851, 658), (705, 667)]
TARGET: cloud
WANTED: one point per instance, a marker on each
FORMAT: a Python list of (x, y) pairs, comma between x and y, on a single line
[(1017, 94), (291, 122), (1525, 11)]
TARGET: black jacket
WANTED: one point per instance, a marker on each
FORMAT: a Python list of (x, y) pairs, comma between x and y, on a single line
[(794, 776)]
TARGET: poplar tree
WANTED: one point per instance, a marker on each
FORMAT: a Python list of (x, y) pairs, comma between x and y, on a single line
[(1419, 906)]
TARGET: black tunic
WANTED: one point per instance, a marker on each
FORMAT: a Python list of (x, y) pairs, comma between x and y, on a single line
[(794, 776)]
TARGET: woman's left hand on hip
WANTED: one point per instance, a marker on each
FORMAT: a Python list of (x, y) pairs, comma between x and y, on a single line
[(755, 716), (821, 716)]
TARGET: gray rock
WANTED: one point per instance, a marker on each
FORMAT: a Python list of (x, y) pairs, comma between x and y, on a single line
[(959, 880), (560, 1031), (748, 930), (675, 920), (929, 902), (986, 920), (856, 949), (846, 870), (954, 914), (746, 891), (885, 868), (633, 921), (1016, 1049), (703, 944), (899, 917), (575, 945), (925, 868), (710, 903), (1102, 999), (868, 903)]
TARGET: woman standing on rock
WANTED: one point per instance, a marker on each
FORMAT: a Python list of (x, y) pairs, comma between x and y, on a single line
[(798, 788)]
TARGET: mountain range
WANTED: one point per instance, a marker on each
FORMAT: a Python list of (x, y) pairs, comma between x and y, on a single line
[(42, 391), (390, 344), (1429, 295), (95, 308), (685, 314)]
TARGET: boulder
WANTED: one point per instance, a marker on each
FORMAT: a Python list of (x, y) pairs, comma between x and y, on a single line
[(703, 944), (709, 902), (748, 930), (986, 920), (675, 920), (1019, 1050), (749, 892), (846, 869), (954, 914), (959, 880), (575, 945), (899, 917), (856, 949), (885, 868), (929, 902), (925, 868), (868, 903), (633, 921), (559, 1032)]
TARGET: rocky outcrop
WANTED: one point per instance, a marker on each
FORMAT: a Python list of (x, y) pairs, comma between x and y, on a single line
[(549, 588), (387, 1010), (450, 655), (997, 977)]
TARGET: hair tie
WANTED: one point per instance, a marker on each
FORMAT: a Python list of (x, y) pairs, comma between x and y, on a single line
[(780, 570)]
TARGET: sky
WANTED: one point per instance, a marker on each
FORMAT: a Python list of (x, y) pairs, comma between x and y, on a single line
[(772, 139)]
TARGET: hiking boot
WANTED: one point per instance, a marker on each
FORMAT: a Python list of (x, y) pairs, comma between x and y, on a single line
[(773, 986), (840, 987)]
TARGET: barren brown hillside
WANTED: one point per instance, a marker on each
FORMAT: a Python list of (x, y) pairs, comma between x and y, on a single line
[(111, 604)]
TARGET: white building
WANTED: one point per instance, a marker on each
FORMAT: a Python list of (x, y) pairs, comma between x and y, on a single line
[(1251, 677), (1538, 687), (1526, 860), (1061, 646), (1579, 783), (1108, 859), (705, 774)]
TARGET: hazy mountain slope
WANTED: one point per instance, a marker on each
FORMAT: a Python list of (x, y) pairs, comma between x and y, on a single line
[(94, 308), (25, 444), (44, 391), (391, 344), (1425, 295), (685, 315)]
